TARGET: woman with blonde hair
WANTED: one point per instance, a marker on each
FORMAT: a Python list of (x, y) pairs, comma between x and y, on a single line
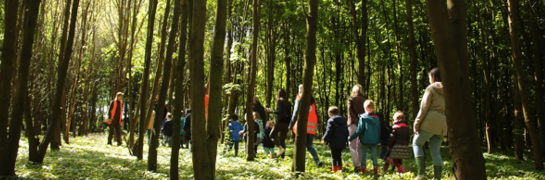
[(355, 108)]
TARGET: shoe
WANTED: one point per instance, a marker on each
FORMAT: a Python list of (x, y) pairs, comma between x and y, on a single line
[(401, 169), (437, 172), (385, 167), (363, 170), (339, 168), (356, 169), (421, 167), (320, 164), (375, 170), (335, 168)]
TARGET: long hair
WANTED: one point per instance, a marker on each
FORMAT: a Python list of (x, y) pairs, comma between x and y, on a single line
[(255, 100), (356, 90), (282, 96), (434, 73)]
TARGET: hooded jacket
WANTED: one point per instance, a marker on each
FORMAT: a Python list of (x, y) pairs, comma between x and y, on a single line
[(355, 108), (368, 129), (401, 134), (336, 133), (432, 117), (234, 128), (267, 142)]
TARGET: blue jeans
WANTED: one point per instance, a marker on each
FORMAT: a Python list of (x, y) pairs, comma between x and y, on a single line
[(311, 150), (364, 149), (435, 145)]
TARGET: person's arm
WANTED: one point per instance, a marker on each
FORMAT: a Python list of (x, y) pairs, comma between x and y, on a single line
[(360, 130), (279, 108), (294, 115), (424, 107), (316, 111), (256, 126), (329, 131), (110, 110), (392, 139)]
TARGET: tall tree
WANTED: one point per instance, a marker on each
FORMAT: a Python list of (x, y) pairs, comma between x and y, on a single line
[(201, 161), (6, 71), (360, 39), (514, 27), (412, 54), (11, 147), (449, 36), (256, 20), (145, 78), (310, 61), (216, 84)]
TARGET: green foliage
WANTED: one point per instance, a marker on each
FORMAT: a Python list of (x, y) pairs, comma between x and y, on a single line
[(90, 157)]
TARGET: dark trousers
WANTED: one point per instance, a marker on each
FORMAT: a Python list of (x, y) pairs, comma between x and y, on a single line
[(279, 133), (336, 159), (236, 147), (115, 128)]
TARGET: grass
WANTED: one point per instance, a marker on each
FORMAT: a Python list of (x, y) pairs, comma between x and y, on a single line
[(90, 158)]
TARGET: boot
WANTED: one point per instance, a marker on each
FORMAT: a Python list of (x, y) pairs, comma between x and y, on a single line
[(421, 166), (334, 169), (363, 170), (385, 167), (437, 172), (401, 169), (375, 170)]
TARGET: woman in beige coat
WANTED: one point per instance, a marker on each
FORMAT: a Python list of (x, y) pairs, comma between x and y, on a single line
[(430, 124)]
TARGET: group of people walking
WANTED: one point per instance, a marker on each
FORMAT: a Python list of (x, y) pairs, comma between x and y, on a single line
[(363, 130)]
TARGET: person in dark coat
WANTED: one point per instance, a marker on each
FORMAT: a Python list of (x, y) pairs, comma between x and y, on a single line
[(259, 109), (399, 141), (187, 127), (268, 145), (167, 130), (336, 136), (283, 116), (385, 130)]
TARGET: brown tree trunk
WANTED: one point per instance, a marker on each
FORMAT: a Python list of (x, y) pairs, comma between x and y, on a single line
[(145, 81), (201, 160), (449, 36), (519, 122), (310, 61), (514, 26), (10, 149), (414, 61), (8, 55), (537, 47), (256, 21)]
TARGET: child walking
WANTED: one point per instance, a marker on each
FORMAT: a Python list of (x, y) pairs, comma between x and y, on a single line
[(336, 137), (399, 141), (234, 136), (257, 141), (167, 130), (268, 145), (368, 132)]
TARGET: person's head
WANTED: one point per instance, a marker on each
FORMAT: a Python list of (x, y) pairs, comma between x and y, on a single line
[(270, 124), (333, 110), (234, 117), (256, 115), (187, 111), (157, 97), (119, 96), (356, 90), (183, 113), (434, 75), (256, 100), (169, 116), (369, 106), (281, 95), (399, 116)]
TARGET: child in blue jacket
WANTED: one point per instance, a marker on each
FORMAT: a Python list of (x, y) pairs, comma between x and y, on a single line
[(369, 133), (234, 136)]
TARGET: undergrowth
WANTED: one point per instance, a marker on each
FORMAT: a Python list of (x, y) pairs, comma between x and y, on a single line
[(89, 157)]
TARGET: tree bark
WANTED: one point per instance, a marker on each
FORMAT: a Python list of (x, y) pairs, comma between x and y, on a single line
[(201, 161), (256, 20), (145, 79), (519, 122), (449, 36), (514, 26), (310, 61), (20, 96), (414, 61)]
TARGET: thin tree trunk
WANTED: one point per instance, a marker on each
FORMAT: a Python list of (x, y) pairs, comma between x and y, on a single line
[(201, 161), (514, 26), (414, 63), (256, 21), (449, 36), (310, 61), (519, 122)]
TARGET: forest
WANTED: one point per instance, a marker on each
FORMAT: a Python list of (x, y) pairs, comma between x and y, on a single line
[(64, 63)]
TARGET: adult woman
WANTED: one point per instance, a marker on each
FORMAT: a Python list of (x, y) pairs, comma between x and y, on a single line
[(430, 124), (355, 108), (280, 129), (312, 123)]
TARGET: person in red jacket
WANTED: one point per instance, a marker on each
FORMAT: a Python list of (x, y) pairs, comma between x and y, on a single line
[(115, 114)]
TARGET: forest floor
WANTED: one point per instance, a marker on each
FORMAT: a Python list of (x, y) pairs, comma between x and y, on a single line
[(89, 157)]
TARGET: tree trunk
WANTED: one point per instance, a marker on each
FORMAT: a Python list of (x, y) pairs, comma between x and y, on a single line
[(145, 79), (10, 149), (310, 61), (514, 26), (449, 36), (216, 84), (8, 55), (256, 20), (414, 63), (201, 161), (178, 99), (519, 122), (537, 46)]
